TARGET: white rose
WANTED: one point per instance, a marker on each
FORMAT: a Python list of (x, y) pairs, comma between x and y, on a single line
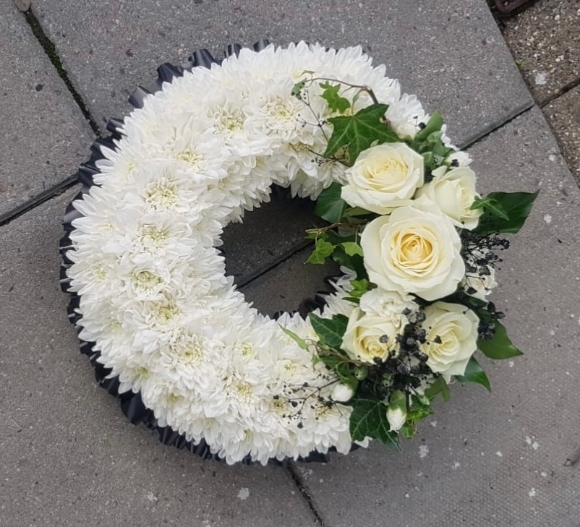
[(369, 336), (454, 192), (414, 250), (451, 332), (384, 177), (342, 393)]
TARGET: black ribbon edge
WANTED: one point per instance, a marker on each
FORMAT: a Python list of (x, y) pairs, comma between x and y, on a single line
[(131, 402)]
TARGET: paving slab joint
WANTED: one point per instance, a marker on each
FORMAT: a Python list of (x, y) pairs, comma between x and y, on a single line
[(562, 91), (493, 130), (47, 195), (51, 52), (272, 265), (305, 494)]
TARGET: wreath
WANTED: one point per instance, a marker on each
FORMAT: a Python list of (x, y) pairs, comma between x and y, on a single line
[(168, 331)]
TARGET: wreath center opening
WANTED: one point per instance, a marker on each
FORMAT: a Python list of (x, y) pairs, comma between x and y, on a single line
[(266, 255)]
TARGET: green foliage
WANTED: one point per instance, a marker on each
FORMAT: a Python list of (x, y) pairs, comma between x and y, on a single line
[(419, 408), (514, 207), (355, 262), (359, 287), (474, 373), (336, 103), (330, 206), (438, 387), (434, 125), (369, 419), (299, 340), (329, 330), (491, 205), (358, 132), (429, 144), (322, 250), (500, 346), (342, 366), (352, 248)]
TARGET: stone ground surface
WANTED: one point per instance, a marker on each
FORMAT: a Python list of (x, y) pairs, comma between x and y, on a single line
[(68, 455), (545, 42), (563, 114), (34, 102), (451, 54)]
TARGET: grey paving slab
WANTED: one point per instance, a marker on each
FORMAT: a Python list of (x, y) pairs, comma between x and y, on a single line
[(284, 287), (563, 114), (267, 235), (450, 53), (44, 134), (68, 455), (545, 42), (494, 459)]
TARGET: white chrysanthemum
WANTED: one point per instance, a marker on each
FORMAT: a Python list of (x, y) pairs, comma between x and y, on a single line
[(154, 297)]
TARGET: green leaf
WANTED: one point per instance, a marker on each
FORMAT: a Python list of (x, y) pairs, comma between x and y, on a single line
[(358, 211), (329, 330), (358, 132), (491, 205), (438, 387), (500, 346), (299, 340), (330, 206), (322, 250), (515, 205), (356, 262), (342, 367), (336, 103), (352, 248), (369, 419), (359, 288), (433, 125), (474, 373)]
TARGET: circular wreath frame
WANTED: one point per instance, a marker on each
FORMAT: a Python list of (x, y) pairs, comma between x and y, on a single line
[(132, 403)]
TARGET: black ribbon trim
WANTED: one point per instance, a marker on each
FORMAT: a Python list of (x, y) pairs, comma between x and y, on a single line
[(132, 403)]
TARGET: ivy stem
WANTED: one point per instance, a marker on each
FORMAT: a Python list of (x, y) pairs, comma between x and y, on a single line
[(367, 89)]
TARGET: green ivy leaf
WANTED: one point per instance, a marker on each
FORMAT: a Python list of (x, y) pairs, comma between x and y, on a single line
[(352, 248), (500, 346), (330, 206), (299, 340), (491, 205), (358, 132), (369, 419), (322, 250), (329, 330), (358, 211), (438, 387), (515, 205), (356, 262), (336, 103), (474, 373)]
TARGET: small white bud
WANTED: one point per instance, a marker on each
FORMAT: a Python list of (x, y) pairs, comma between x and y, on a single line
[(342, 393), (397, 410)]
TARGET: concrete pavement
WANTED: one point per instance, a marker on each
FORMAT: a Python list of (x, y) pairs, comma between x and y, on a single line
[(68, 455)]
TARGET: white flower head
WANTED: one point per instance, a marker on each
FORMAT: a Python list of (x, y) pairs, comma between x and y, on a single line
[(415, 249)]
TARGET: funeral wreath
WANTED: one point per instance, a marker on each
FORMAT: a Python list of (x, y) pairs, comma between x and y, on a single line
[(416, 243)]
